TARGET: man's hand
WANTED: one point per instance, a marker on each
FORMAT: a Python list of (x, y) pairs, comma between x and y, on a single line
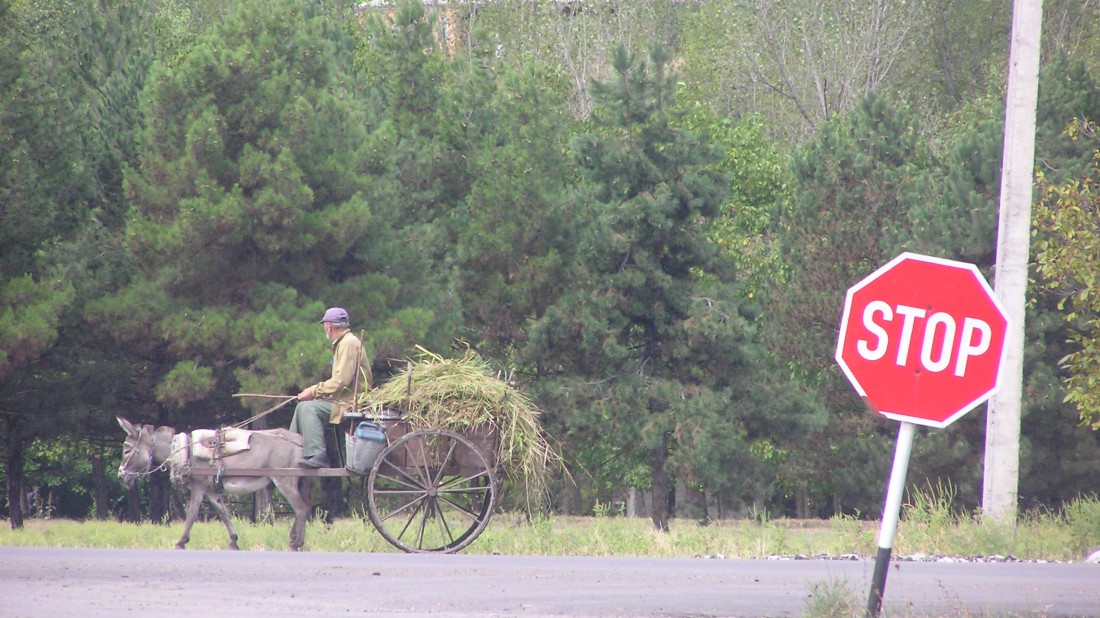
[(306, 395)]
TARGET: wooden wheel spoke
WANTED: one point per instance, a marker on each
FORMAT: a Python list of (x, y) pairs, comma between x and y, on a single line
[(455, 483), (412, 516), (433, 490), (408, 481), (428, 511), (418, 502), (460, 508), (463, 490), (421, 462), (443, 527), (443, 462)]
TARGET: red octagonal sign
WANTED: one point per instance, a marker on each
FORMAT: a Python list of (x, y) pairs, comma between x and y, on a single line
[(922, 339)]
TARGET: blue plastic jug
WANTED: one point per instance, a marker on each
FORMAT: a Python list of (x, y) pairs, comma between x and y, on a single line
[(370, 431)]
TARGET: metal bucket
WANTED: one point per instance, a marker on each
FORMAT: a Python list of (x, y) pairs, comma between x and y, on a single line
[(364, 446)]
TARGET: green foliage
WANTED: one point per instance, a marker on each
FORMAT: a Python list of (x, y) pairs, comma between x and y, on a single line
[(636, 306), (855, 186), (186, 185), (934, 523), (854, 191), (63, 127), (28, 319), (1066, 215), (251, 156), (1082, 516), (799, 65), (760, 184), (60, 476), (240, 144), (1071, 28), (184, 383), (429, 116), (833, 598), (934, 506), (1067, 93), (401, 58), (956, 218), (960, 50), (956, 215), (515, 232)]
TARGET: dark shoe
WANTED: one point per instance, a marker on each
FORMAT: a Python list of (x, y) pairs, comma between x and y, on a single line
[(316, 461)]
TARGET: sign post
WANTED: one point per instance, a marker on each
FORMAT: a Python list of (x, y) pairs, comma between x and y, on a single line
[(922, 340), (890, 515)]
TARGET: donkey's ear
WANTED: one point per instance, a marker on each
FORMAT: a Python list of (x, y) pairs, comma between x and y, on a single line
[(127, 425)]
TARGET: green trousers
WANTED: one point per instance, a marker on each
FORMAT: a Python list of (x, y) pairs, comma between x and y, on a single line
[(310, 421)]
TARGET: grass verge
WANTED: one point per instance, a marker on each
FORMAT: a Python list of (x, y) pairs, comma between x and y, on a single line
[(1064, 537)]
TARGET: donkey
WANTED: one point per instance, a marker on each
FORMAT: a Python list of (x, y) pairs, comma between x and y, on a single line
[(147, 447)]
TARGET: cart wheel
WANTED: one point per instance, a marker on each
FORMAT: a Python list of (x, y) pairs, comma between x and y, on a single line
[(431, 491)]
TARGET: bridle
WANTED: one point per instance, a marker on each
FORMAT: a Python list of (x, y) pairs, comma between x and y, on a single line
[(149, 469)]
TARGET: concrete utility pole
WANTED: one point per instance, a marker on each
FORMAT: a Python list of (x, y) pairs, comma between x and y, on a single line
[(1002, 426)]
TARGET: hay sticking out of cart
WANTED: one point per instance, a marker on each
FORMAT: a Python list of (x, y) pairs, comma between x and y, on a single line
[(460, 393)]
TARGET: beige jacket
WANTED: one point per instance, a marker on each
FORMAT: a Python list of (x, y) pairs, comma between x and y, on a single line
[(348, 361)]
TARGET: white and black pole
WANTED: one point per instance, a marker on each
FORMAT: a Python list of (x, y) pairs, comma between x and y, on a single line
[(890, 514)]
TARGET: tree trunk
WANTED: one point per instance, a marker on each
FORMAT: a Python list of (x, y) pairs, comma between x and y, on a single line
[(133, 505), (659, 512), (632, 502), (13, 461), (801, 501), (101, 495), (261, 505)]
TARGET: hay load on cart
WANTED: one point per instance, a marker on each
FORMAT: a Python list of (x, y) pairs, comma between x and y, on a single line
[(467, 397)]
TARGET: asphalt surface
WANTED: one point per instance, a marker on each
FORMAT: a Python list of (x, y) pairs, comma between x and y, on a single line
[(71, 583)]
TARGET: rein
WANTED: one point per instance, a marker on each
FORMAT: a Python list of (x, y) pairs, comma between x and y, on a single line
[(287, 399)]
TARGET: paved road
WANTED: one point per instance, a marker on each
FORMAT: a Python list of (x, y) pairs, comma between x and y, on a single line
[(79, 583)]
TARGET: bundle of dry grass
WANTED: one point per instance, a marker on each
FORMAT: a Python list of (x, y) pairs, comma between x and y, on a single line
[(460, 393)]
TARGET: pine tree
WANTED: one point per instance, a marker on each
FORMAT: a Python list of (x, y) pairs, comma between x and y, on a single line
[(48, 194), (855, 185), (1067, 93), (250, 202), (644, 346), (513, 234), (429, 117)]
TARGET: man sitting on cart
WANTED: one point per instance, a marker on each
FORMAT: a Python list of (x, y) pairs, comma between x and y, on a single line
[(326, 402)]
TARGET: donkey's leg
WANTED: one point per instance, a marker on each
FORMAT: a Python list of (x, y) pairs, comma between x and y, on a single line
[(290, 488), (215, 500), (197, 493)]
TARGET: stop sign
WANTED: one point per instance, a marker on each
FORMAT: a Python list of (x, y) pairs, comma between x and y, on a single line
[(922, 339)]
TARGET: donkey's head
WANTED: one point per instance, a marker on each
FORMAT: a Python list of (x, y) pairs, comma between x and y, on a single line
[(137, 452)]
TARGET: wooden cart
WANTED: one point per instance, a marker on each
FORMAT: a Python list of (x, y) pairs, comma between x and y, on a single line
[(429, 490)]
